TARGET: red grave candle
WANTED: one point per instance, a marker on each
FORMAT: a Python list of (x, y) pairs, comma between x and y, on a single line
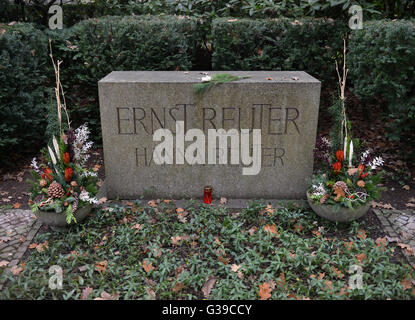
[(207, 195)]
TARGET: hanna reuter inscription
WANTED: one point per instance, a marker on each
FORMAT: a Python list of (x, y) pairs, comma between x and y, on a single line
[(251, 138)]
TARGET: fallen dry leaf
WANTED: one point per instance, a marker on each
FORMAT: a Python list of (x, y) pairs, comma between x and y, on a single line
[(151, 295), (381, 205), (252, 230), (17, 205), (281, 280), (101, 266), (298, 228), (102, 200), (328, 285), (16, 270), (86, 292), (348, 245), (207, 287), (178, 286), (361, 257), (406, 187), (148, 266), (4, 263), (269, 210), (264, 291), (406, 284), (338, 272), (272, 229), (361, 234), (39, 246), (152, 203), (235, 267), (406, 248), (315, 232), (381, 243), (224, 260), (5, 239), (106, 296)]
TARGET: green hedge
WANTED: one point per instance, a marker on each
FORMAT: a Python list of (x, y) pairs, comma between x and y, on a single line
[(95, 47), (382, 68), (206, 9), (23, 97), (380, 60), (278, 44)]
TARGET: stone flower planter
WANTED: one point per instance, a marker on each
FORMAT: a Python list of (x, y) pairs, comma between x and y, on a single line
[(59, 219), (343, 214)]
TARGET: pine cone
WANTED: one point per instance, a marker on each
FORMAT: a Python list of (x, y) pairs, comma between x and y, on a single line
[(341, 185), (55, 190)]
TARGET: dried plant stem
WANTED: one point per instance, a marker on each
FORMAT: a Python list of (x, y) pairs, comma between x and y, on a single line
[(61, 104), (342, 85)]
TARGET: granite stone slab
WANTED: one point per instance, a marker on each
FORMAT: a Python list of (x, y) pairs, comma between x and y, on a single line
[(135, 104)]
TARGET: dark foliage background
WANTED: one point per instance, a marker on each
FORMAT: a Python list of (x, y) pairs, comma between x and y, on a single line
[(203, 35)]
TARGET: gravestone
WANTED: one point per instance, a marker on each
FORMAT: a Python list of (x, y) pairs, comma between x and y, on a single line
[(264, 150)]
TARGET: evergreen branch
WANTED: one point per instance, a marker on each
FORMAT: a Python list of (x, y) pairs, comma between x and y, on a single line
[(216, 80)]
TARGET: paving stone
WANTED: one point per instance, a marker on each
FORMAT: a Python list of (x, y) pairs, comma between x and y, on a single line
[(400, 224), (6, 255), (14, 224)]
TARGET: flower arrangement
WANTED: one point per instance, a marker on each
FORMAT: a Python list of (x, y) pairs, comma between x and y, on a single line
[(346, 179), (61, 184)]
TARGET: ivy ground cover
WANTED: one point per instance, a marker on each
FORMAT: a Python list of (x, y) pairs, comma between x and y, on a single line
[(155, 250)]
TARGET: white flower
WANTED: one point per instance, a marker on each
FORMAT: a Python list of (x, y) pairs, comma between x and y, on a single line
[(84, 196), (34, 165), (89, 174), (206, 78), (365, 155), (319, 189), (326, 141), (81, 145), (377, 162)]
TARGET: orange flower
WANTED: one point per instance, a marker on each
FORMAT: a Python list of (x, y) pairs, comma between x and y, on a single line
[(65, 157), (361, 168), (337, 167), (48, 173), (340, 155), (68, 174)]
